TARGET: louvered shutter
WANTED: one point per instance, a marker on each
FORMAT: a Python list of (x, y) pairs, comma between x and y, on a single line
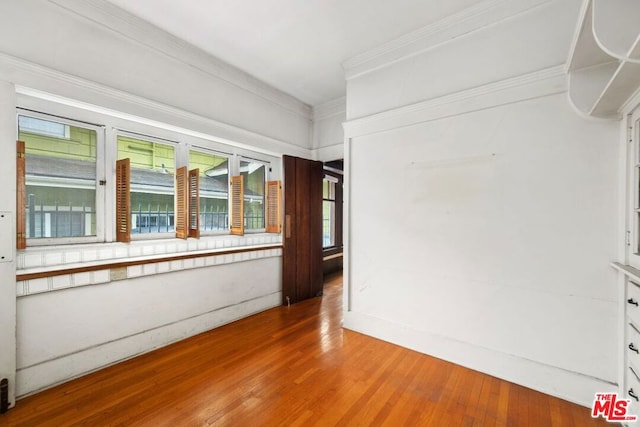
[(182, 200), (194, 203), (123, 201), (272, 216), (21, 197), (237, 205)]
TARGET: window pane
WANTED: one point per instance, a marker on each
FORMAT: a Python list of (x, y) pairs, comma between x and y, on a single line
[(152, 184), (254, 182), (328, 190), (44, 127), (328, 213), (214, 190), (328, 223), (60, 178)]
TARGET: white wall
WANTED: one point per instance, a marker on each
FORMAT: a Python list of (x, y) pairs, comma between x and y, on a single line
[(7, 235), (483, 218), (67, 333), (529, 41), (493, 229), (328, 132), (89, 61)]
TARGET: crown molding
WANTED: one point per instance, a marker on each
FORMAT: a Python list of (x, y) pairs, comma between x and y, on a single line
[(632, 103), (545, 82), (37, 81), (111, 17), (458, 25), (335, 107), (329, 153)]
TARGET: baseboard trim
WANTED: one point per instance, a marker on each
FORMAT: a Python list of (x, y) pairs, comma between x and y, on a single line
[(47, 374), (552, 380)]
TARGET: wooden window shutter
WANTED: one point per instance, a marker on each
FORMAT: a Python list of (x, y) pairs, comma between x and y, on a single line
[(272, 217), (237, 205), (21, 197), (182, 202), (194, 203), (123, 200)]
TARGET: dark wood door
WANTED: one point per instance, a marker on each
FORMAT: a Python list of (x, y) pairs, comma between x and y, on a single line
[(302, 254)]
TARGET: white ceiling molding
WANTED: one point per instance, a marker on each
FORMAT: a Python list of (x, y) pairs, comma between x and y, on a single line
[(327, 154), (541, 83), (282, 147), (457, 25), (335, 107), (30, 73), (137, 30), (604, 62)]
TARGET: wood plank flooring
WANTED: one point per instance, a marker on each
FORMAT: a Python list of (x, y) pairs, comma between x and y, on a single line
[(292, 366)]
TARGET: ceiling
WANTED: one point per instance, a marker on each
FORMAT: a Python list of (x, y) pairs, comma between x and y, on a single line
[(297, 46)]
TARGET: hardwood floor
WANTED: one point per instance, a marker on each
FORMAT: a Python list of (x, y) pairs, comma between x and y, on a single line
[(292, 366)]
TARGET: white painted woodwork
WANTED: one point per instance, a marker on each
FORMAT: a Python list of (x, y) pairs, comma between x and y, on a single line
[(100, 66), (425, 38), (71, 332), (494, 245), (629, 277), (468, 61), (89, 52), (328, 132), (7, 235), (507, 225), (7, 226), (539, 83), (629, 334), (482, 211), (206, 307), (604, 62), (615, 27)]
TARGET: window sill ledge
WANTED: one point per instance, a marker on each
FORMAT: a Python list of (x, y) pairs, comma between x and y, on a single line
[(48, 269), (55, 257)]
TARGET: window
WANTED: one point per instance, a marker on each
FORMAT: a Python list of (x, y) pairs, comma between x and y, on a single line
[(61, 160), (332, 208), (152, 167), (329, 211), (254, 175), (213, 172), (79, 183)]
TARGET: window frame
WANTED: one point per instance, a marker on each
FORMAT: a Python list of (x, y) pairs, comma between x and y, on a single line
[(157, 140), (333, 224), (108, 124), (100, 183), (267, 172), (337, 248), (230, 161)]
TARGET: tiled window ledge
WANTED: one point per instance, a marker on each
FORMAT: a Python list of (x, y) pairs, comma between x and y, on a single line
[(63, 255), (146, 257)]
